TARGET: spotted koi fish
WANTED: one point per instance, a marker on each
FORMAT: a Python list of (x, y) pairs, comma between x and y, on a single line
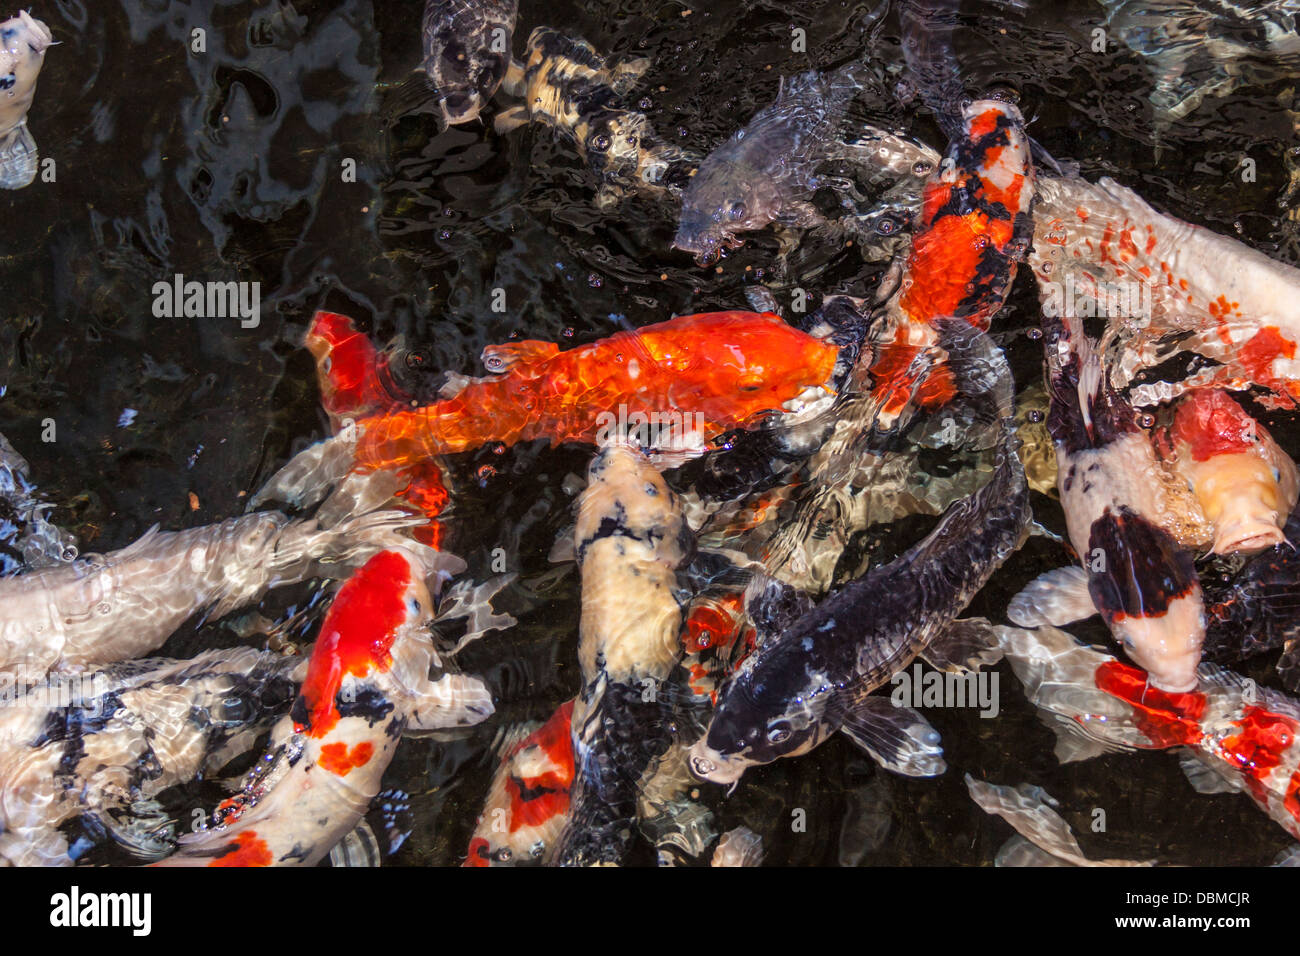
[(367, 683), (1246, 735), (467, 53), (630, 539), (1163, 286), (527, 806), (815, 677), (1133, 570), (566, 85), (720, 370), (99, 744), (23, 42)]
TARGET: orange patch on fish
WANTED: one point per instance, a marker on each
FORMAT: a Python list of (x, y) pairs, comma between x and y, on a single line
[(337, 760), (247, 849)]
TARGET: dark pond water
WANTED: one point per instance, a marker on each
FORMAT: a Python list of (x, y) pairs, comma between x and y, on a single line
[(227, 165)]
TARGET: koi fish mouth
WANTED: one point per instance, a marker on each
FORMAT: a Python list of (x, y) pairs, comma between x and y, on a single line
[(707, 248), (712, 767)]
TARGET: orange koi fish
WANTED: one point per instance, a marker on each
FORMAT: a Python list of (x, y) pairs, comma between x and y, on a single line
[(705, 374), (367, 682), (527, 807)]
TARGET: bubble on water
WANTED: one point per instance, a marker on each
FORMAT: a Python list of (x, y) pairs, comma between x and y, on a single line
[(1146, 419), (645, 103), (594, 281), (499, 448), (485, 472), (567, 333), (886, 226), (1034, 333), (415, 360), (1035, 415), (981, 242), (444, 234)]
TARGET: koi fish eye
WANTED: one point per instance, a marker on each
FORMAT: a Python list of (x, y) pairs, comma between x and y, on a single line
[(598, 142), (415, 606), (736, 211), (8, 82), (778, 731)]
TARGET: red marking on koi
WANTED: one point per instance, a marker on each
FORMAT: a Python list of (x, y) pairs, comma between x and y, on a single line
[(356, 636)]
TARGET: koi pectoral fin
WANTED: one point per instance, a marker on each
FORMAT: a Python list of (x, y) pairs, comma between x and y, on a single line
[(454, 700), (1057, 598), (897, 738)]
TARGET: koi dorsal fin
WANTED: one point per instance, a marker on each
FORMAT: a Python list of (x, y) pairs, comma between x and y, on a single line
[(510, 355)]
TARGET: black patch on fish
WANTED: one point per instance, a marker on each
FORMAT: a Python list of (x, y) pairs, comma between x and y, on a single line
[(75, 721), (1143, 569), (1112, 416), (368, 703)]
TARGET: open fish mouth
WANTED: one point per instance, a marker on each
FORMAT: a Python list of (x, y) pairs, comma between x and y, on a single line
[(709, 765), (707, 249)]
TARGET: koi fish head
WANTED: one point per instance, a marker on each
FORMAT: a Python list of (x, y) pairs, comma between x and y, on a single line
[(1146, 588), (772, 708), (613, 144), (1243, 481), (626, 495), (23, 42), (724, 198), (734, 365), (383, 599), (465, 60)]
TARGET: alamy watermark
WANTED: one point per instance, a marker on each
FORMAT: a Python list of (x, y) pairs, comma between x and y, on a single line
[(208, 300), (665, 431), (1110, 300), (921, 688), (83, 691)]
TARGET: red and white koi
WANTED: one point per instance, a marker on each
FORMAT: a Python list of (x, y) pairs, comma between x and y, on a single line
[(368, 682), (1247, 735), (527, 806)]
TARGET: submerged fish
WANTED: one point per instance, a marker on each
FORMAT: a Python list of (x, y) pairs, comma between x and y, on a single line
[(99, 743), (1244, 482), (815, 677), (766, 172), (687, 379), (528, 803), (1031, 810), (1198, 48), (368, 681), (467, 53), (566, 85), (105, 608), (1132, 570), (1241, 735), (23, 42), (630, 539)]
